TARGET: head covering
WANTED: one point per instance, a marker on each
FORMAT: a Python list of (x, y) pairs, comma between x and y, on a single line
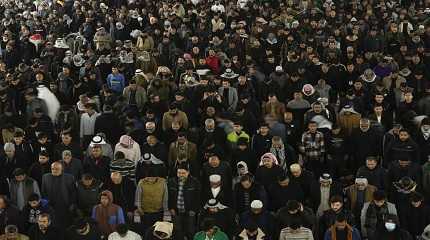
[(279, 69), (213, 203), (150, 158), (405, 185), (66, 153), (295, 167), (308, 89), (103, 214), (164, 227), (256, 204), (97, 140), (9, 147), (426, 233), (242, 168), (325, 177), (214, 178), (270, 156), (229, 74), (361, 180), (127, 141)]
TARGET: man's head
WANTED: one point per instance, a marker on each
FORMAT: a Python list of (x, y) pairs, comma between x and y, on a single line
[(312, 126), (87, 179), (256, 206), (11, 232), (336, 203), (361, 183), (104, 199), (379, 198), (364, 124), (214, 160), (340, 221), (296, 170), (246, 181), (19, 174), (67, 156), (182, 172), (96, 151), (56, 169), (66, 138), (403, 135), (264, 129), (416, 199), (43, 157), (122, 230), (9, 149), (371, 162), (44, 220), (116, 177), (34, 200), (209, 227), (215, 180)]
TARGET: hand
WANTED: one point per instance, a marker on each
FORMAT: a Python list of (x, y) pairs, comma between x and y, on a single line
[(173, 212)]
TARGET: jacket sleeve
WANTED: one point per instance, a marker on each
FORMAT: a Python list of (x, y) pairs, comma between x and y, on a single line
[(363, 220), (120, 215)]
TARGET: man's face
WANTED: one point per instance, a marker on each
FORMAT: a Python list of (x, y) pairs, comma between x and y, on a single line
[(43, 159), (104, 200), (378, 110), (246, 184), (67, 158), (336, 206), (56, 169), (96, 151), (214, 161), (182, 174), (371, 164), (403, 136), (416, 204), (173, 111), (182, 140), (364, 125), (43, 223), (34, 204), (317, 108), (18, 140), (313, 127), (379, 203), (288, 117), (404, 163), (379, 98), (10, 153), (20, 178), (66, 139), (237, 128), (2, 203), (264, 130)]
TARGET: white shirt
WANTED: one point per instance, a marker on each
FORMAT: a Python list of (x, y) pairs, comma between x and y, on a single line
[(129, 236), (215, 191)]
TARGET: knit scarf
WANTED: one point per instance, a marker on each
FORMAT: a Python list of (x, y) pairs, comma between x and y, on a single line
[(333, 232)]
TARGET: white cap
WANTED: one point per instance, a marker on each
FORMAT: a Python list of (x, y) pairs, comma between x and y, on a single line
[(256, 204), (278, 69), (214, 178)]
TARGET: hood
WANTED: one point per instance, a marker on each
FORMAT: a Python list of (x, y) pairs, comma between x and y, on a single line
[(242, 168), (109, 195)]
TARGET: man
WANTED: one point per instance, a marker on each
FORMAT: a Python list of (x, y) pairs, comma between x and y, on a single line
[(373, 172), (262, 140), (373, 214), (246, 191), (151, 200), (329, 216), (313, 148), (264, 219), (404, 145), (219, 191), (215, 166), (21, 187), (283, 191), (392, 230), (302, 177), (35, 206), (10, 160), (109, 124), (9, 215), (122, 232), (44, 229), (210, 231), (321, 192), (223, 216), (341, 230), (11, 233), (174, 114), (67, 143), (123, 191), (83, 229), (183, 150), (72, 165), (125, 166), (129, 147), (96, 164), (88, 121), (229, 95), (418, 215), (107, 214), (358, 194), (40, 168), (59, 188), (295, 213), (296, 231), (88, 190), (237, 133), (116, 81), (135, 95), (184, 200)]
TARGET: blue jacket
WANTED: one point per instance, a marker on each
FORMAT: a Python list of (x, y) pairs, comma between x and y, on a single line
[(116, 82)]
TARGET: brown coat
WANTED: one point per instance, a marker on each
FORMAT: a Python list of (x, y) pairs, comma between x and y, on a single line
[(352, 190), (277, 110), (174, 152), (348, 122)]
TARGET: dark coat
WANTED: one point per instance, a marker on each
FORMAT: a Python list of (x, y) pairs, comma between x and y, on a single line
[(279, 196), (225, 196), (123, 193), (224, 219), (99, 169), (191, 192), (108, 123), (93, 234), (52, 233), (256, 192), (10, 215), (328, 218), (265, 221)]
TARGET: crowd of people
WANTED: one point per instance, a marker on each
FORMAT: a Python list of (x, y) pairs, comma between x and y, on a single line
[(215, 120)]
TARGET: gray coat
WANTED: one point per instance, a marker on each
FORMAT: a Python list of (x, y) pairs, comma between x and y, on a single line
[(364, 231), (232, 98)]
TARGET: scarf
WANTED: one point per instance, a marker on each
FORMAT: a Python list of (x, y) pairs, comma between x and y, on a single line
[(280, 156)]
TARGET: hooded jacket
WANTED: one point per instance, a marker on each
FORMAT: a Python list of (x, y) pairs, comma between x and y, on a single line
[(108, 217)]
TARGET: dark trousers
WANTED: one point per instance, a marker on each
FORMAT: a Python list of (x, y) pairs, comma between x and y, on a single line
[(185, 224)]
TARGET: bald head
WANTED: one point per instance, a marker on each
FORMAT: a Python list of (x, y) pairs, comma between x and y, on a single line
[(56, 168)]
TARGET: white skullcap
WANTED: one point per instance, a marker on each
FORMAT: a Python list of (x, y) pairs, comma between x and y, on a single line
[(256, 204)]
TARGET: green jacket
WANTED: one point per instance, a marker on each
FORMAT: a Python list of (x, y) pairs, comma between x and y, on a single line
[(219, 235)]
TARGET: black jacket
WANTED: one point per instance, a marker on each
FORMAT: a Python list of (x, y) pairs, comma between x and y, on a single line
[(108, 124), (329, 217), (93, 234), (10, 216), (52, 233), (191, 192), (279, 196), (256, 192)]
